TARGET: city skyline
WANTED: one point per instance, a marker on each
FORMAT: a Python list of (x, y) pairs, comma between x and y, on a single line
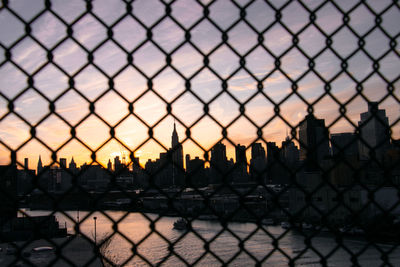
[(334, 143), (91, 83)]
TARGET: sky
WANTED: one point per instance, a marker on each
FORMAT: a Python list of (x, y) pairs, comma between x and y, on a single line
[(150, 108)]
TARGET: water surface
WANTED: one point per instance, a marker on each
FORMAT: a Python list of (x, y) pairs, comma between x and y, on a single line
[(133, 230)]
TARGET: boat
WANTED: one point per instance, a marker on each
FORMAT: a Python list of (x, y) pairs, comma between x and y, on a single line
[(180, 224), (42, 250)]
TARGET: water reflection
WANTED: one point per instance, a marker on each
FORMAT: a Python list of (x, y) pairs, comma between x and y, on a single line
[(133, 230)]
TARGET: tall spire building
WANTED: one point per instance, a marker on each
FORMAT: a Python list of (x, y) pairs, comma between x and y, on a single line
[(176, 172), (39, 165), (177, 151), (72, 164)]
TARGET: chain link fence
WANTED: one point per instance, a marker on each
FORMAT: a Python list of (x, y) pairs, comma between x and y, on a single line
[(75, 75)]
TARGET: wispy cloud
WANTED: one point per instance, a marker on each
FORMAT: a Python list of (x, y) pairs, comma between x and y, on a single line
[(13, 131)]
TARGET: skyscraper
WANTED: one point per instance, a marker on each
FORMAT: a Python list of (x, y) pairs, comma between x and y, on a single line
[(195, 172), (218, 163), (109, 165), (284, 173), (344, 144), (26, 164), (63, 163), (257, 151), (241, 159), (374, 132), (177, 151), (290, 152), (314, 141), (257, 162), (218, 154), (39, 165), (187, 159), (272, 152), (117, 164), (72, 164), (273, 164), (175, 172)]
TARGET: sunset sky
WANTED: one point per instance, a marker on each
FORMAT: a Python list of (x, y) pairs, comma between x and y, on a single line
[(130, 83)]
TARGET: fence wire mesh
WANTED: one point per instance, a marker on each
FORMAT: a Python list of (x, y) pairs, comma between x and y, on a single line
[(321, 184)]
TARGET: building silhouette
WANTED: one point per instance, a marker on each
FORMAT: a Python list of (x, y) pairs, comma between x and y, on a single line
[(258, 163), (344, 144), (195, 172), (39, 168), (177, 151), (72, 165), (63, 163), (176, 165), (257, 151), (8, 193), (374, 138), (218, 163), (240, 166), (314, 142), (117, 164), (26, 163), (109, 165), (274, 164), (290, 154), (24, 179), (272, 152), (241, 158)]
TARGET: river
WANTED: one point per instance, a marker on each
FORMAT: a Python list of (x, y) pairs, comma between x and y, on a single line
[(224, 244)]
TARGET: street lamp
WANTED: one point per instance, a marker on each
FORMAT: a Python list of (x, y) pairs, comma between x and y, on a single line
[(95, 239)]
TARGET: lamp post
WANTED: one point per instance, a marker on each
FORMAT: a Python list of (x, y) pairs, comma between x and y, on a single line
[(95, 239), (77, 230)]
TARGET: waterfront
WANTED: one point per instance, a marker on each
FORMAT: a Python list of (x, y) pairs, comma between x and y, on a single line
[(224, 244)]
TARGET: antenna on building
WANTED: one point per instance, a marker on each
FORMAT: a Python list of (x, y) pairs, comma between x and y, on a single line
[(122, 152), (287, 135)]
